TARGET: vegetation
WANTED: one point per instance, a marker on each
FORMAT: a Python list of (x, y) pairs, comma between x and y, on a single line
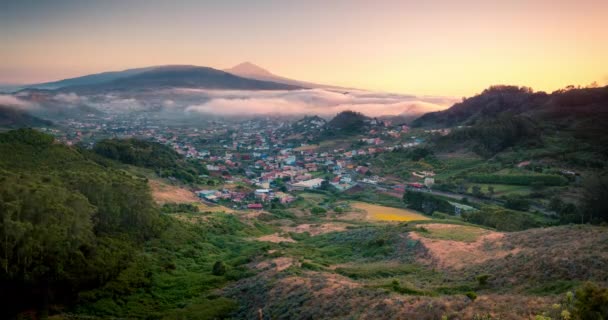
[(519, 179), (163, 159), (108, 251), (503, 219), (346, 123), (426, 202), (67, 223)]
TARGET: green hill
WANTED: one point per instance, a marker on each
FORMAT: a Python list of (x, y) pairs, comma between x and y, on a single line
[(14, 118)]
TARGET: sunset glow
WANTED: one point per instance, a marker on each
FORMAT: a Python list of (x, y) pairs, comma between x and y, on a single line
[(452, 48)]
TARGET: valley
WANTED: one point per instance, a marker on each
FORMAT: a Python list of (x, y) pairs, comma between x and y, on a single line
[(117, 203)]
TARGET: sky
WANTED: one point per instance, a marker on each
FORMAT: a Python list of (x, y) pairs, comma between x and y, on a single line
[(432, 47)]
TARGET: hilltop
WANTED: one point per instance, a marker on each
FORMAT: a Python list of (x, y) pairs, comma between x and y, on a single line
[(571, 107), (503, 117)]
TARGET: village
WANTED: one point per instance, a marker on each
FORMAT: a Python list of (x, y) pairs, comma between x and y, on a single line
[(254, 163)]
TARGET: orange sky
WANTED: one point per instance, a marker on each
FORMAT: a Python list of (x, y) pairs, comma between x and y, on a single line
[(454, 48)]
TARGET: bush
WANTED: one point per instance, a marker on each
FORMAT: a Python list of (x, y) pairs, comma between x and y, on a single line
[(482, 280), (318, 211), (591, 302), (219, 268), (471, 295), (517, 203)]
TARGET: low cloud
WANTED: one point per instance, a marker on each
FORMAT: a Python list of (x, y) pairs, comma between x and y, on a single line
[(14, 102), (313, 101), (70, 98)]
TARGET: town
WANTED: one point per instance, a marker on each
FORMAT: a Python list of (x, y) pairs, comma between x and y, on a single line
[(255, 162)]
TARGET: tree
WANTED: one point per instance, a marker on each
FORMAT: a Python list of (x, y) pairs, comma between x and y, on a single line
[(477, 191), (517, 203), (491, 190), (219, 268), (595, 195)]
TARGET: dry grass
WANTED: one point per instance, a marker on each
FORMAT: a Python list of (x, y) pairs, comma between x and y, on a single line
[(451, 232), (275, 238), (165, 193), (457, 254), (382, 213), (316, 229)]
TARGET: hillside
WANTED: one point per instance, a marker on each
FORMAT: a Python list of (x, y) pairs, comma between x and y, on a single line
[(505, 117), (347, 123), (69, 224), (561, 106), (90, 79), (110, 252), (305, 129), (14, 118)]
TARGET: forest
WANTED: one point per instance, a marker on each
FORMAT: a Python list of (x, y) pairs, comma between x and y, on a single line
[(69, 224)]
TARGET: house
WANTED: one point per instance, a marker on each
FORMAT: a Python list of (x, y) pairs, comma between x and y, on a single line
[(284, 198), (309, 184), (362, 169), (255, 206), (415, 185)]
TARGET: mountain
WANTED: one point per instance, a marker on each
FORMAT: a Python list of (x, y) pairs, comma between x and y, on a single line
[(180, 77), (15, 118), (252, 71), (153, 78)]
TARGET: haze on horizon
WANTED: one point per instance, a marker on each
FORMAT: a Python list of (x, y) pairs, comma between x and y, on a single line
[(431, 48)]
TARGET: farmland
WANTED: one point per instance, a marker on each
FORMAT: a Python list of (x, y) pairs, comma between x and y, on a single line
[(382, 213)]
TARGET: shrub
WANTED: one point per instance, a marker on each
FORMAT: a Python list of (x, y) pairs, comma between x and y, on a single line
[(471, 295), (591, 302), (517, 203), (318, 211), (482, 280), (219, 268)]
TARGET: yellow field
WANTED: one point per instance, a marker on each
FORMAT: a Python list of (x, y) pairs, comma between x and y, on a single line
[(376, 212)]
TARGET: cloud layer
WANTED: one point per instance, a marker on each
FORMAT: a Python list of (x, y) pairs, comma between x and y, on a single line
[(313, 101), (177, 101)]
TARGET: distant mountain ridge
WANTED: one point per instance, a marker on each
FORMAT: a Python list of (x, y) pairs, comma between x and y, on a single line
[(90, 79), (153, 78)]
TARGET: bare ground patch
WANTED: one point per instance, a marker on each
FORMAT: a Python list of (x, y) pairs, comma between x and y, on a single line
[(165, 193), (276, 264), (316, 229), (275, 238), (453, 254)]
